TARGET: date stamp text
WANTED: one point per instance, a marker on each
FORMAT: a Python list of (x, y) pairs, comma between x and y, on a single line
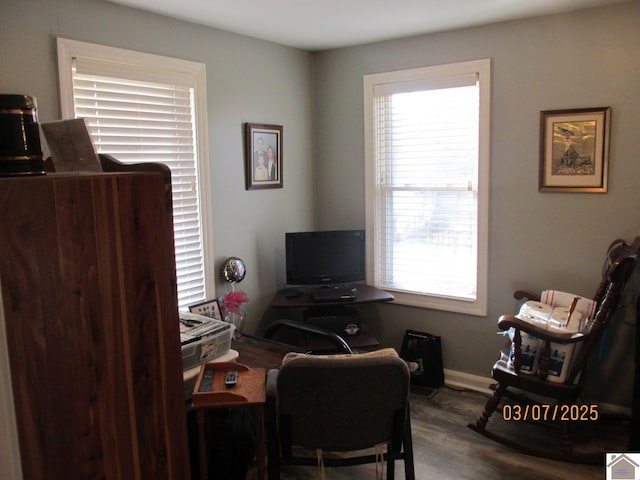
[(550, 413)]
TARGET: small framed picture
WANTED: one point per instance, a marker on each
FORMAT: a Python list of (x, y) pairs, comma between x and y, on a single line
[(208, 308), (263, 156), (574, 150)]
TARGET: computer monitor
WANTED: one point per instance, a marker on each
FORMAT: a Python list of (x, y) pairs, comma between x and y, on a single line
[(325, 257)]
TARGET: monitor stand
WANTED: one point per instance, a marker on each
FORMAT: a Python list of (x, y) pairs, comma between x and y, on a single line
[(296, 303)]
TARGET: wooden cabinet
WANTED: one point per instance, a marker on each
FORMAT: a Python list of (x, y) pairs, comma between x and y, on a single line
[(88, 283)]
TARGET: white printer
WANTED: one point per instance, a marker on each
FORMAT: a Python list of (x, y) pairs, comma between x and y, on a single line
[(203, 339)]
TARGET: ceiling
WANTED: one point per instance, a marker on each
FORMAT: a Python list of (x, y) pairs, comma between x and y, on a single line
[(324, 24)]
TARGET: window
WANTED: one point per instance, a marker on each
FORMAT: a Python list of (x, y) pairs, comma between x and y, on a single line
[(427, 169), (146, 108)]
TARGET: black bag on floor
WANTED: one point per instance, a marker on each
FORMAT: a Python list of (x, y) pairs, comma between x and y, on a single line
[(423, 353), (233, 445), (230, 443)]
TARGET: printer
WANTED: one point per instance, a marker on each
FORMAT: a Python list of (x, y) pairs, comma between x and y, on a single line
[(203, 339)]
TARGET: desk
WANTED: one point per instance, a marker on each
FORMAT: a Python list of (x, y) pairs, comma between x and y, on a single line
[(301, 298), (335, 316), (256, 353), (248, 392), (260, 352)]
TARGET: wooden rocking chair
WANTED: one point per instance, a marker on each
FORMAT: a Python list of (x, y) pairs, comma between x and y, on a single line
[(556, 398)]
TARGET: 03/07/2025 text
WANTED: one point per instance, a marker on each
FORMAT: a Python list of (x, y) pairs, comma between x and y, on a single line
[(546, 412)]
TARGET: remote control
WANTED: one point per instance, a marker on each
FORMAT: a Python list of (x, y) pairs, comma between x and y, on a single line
[(231, 379), (206, 385)]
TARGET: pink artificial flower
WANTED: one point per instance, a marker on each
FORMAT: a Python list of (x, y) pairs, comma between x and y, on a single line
[(231, 301)]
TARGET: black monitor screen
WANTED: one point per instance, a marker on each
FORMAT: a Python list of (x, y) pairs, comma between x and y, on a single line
[(331, 257)]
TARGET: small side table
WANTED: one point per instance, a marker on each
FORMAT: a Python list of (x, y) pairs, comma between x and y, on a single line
[(249, 391)]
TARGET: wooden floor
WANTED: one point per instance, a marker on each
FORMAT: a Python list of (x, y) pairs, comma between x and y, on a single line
[(446, 449)]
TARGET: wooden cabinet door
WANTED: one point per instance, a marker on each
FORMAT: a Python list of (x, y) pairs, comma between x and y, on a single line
[(89, 288)]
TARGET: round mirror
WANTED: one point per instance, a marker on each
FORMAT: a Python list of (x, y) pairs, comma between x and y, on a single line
[(233, 270)]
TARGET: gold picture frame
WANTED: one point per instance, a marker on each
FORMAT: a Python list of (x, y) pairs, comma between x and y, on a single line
[(574, 150)]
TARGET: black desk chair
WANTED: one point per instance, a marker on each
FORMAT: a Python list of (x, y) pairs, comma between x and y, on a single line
[(339, 342), (340, 403)]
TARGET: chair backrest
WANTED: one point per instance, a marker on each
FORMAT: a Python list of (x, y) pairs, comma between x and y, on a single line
[(620, 263), (342, 404)]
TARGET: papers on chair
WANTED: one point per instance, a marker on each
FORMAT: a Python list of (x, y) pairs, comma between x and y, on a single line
[(558, 320), (552, 312), (554, 319), (556, 298)]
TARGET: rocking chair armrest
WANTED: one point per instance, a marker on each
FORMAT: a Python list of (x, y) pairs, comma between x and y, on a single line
[(526, 294), (505, 322)]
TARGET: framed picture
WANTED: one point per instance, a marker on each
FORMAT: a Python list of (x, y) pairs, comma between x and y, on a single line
[(208, 308), (263, 156), (574, 150)]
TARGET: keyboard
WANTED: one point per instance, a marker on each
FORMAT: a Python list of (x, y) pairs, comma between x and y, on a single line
[(333, 294)]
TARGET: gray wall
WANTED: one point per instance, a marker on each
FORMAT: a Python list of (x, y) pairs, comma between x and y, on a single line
[(537, 240), (248, 80)]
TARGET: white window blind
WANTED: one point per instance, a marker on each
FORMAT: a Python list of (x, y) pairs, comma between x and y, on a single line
[(424, 211), (135, 116)]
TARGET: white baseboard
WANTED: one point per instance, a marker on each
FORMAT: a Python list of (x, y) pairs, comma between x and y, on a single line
[(455, 379)]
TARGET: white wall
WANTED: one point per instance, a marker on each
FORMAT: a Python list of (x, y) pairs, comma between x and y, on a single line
[(537, 240)]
